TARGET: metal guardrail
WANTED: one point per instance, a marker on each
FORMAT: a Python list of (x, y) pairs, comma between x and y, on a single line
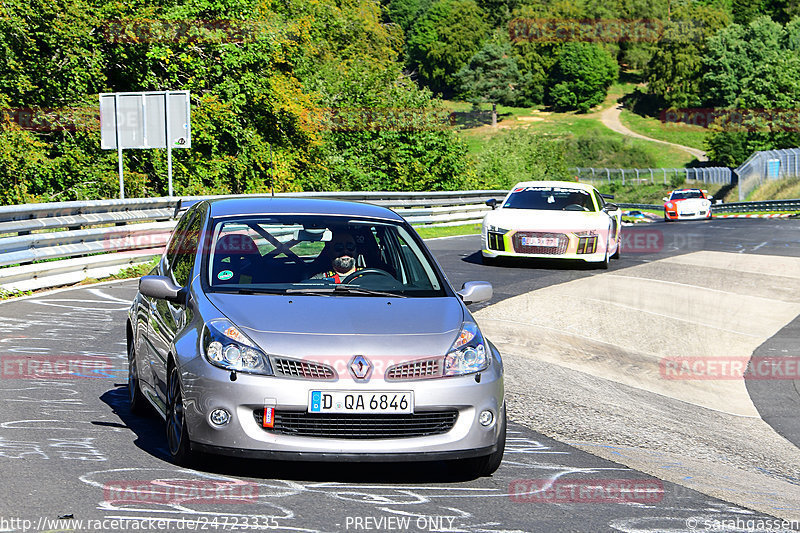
[(786, 206), (46, 245), (50, 244)]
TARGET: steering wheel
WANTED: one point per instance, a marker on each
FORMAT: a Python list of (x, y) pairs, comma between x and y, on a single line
[(367, 272), (574, 207)]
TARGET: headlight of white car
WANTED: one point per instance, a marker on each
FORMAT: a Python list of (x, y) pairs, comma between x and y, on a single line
[(468, 353), (225, 346), (495, 229)]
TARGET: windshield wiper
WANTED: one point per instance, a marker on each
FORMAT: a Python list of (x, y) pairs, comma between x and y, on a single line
[(233, 290), (343, 289)]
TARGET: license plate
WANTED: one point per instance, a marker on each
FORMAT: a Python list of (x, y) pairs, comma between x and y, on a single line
[(539, 241), (360, 402)]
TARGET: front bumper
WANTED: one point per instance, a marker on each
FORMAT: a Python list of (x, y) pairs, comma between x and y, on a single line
[(673, 215), (570, 244), (206, 388)]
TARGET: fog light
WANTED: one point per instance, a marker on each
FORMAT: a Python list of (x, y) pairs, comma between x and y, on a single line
[(220, 417), (486, 418)]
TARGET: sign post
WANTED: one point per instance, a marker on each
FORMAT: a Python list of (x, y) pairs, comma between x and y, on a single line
[(143, 120)]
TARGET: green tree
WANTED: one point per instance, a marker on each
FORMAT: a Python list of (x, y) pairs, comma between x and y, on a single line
[(675, 70), (444, 39), (492, 76), (753, 70), (581, 77)]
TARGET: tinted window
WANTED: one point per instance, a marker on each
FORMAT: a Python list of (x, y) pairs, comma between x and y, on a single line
[(550, 199), (684, 195), (293, 252), (183, 262)]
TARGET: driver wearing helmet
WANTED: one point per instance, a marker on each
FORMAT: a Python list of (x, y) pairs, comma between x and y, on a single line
[(343, 259)]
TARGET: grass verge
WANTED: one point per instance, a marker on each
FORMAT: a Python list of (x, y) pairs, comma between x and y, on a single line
[(686, 135)]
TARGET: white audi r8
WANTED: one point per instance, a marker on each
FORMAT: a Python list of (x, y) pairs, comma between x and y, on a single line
[(553, 220), (687, 204)]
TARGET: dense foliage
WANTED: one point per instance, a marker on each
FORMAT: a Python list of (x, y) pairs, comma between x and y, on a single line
[(581, 77), (302, 95), (343, 94)]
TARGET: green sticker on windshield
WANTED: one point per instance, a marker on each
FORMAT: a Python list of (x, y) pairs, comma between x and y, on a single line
[(225, 275)]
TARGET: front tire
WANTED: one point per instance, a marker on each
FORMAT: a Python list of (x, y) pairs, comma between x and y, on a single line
[(180, 448), (488, 464)]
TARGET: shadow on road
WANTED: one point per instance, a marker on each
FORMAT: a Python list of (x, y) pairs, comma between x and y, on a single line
[(528, 263)]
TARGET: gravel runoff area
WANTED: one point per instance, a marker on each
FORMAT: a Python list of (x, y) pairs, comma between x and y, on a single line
[(582, 366)]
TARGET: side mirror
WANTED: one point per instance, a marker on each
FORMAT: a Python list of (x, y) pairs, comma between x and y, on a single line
[(665, 199), (710, 197), (161, 288), (491, 202), (610, 207), (473, 292)]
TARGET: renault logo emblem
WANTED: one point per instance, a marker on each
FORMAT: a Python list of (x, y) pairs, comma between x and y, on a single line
[(360, 367)]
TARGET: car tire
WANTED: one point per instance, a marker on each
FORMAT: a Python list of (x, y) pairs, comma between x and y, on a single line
[(617, 251), (605, 262), (488, 464), (178, 443), (136, 400)]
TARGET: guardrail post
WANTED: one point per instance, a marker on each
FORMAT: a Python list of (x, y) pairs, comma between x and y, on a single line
[(623, 175)]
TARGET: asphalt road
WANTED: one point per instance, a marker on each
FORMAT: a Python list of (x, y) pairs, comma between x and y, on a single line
[(67, 445)]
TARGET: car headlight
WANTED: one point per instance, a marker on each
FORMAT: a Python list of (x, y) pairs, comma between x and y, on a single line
[(669, 204), (495, 229), (225, 346), (468, 353)]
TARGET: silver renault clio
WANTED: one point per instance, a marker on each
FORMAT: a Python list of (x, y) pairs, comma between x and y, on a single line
[(318, 330)]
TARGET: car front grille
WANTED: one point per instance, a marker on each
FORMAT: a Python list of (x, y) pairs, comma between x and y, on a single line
[(424, 368), (563, 242), (296, 368), (360, 426)]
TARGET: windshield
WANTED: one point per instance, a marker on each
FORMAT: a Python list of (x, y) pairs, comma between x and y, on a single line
[(549, 198), (685, 195), (306, 254)]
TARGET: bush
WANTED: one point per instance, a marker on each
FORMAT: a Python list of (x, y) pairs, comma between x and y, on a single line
[(592, 150), (515, 156), (581, 77)]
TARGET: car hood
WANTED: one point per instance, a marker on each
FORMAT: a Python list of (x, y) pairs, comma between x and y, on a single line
[(539, 220), (691, 202), (307, 326)]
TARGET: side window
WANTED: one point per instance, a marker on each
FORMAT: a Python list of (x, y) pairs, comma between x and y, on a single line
[(177, 236), (183, 263), (182, 248), (600, 201)]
